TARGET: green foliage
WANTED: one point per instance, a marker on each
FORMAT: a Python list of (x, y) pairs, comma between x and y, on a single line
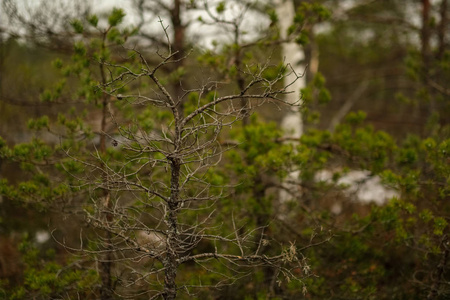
[(220, 8), (57, 63), (77, 26), (93, 20), (314, 94), (44, 278), (307, 14), (272, 16), (80, 49), (116, 17), (114, 35)]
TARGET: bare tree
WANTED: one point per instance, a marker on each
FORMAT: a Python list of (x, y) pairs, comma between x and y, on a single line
[(161, 202)]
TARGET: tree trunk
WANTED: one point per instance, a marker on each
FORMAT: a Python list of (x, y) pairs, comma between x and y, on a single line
[(178, 45), (106, 290), (170, 261), (294, 55), (425, 34), (442, 28), (425, 37)]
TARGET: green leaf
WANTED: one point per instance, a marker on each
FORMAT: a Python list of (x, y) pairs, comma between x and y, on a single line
[(439, 225), (57, 63), (93, 20), (77, 26), (220, 8), (116, 17), (273, 16), (80, 48), (356, 117)]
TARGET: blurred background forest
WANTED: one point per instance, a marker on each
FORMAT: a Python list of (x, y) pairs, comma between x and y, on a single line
[(368, 209)]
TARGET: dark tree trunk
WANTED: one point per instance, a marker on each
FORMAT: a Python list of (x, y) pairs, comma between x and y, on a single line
[(170, 261), (106, 290), (178, 46), (442, 28), (425, 34)]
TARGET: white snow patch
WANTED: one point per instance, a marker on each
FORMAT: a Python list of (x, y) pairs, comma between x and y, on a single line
[(42, 236), (364, 186)]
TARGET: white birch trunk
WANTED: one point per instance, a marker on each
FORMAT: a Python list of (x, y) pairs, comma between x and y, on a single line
[(294, 55)]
